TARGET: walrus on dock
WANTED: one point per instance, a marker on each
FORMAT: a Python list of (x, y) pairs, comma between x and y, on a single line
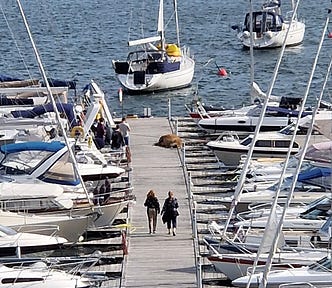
[(169, 141)]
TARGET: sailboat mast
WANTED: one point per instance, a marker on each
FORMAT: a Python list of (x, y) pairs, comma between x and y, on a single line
[(252, 64), (48, 88), (175, 4), (268, 264), (161, 25), (239, 186)]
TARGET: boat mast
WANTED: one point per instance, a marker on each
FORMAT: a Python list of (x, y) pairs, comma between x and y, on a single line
[(175, 3), (268, 264), (161, 25), (50, 95), (239, 186), (252, 64)]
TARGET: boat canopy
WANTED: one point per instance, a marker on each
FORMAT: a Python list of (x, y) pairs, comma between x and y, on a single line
[(71, 84), (66, 108), (315, 172), (320, 152), (53, 146), (263, 21)]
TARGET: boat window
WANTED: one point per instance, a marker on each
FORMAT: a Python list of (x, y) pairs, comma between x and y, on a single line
[(256, 111), (246, 141), (20, 280), (314, 214), (282, 143), (23, 162), (288, 130), (321, 265), (62, 171), (28, 205), (263, 143), (295, 145), (5, 231)]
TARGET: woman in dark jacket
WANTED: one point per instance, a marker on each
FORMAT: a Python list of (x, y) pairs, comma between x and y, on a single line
[(170, 212), (152, 209)]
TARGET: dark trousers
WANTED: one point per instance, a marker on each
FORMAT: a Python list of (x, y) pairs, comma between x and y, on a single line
[(171, 223)]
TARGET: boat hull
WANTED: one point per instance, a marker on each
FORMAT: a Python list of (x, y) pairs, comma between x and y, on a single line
[(271, 39), (177, 79)]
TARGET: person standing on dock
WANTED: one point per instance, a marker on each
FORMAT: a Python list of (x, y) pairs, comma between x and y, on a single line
[(100, 133), (152, 208), (125, 129), (117, 141), (170, 212)]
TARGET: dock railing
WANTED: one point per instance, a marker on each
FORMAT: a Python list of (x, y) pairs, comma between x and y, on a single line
[(192, 204)]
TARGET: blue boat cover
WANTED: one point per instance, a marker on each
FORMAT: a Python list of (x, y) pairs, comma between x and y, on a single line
[(66, 108), (286, 111), (314, 173), (33, 145), (71, 84)]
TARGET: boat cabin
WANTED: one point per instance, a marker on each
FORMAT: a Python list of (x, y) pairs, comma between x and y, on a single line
[(263, 21), (269, 143)]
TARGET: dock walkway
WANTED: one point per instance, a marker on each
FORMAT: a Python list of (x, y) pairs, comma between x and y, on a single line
[(157, 260)]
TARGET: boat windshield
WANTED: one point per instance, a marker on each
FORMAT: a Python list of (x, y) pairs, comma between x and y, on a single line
[(5, 231), (322, 265), (246, 141), (289, 130), (141, 55), (317, 210), (62, 172), (255, 111), (23, 162)]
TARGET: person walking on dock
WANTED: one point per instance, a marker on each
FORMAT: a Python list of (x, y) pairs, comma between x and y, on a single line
[(152, 208), (170, 212)]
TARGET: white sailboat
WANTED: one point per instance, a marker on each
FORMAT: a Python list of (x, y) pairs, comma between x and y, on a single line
[(156, 67), (269, 28)]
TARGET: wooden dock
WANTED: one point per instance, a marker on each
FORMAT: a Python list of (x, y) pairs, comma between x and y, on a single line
[(157, 260)]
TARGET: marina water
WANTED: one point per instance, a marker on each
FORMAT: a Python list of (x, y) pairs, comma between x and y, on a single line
[(78, 39)]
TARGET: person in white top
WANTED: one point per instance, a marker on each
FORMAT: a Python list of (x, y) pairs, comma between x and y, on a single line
[(125, 129)]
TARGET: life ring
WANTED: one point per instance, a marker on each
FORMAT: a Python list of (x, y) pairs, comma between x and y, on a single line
[(77, 131)]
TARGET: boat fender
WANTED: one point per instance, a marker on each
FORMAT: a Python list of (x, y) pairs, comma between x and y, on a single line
[(76, 132)]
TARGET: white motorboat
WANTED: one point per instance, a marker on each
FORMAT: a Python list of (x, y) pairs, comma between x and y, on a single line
[(237, 265), (43, 162), (156, 67), (38, 275), (244, 121), (12, 242), (318, 275), (229, 148), (66, 226), (269, 28), (49, 162)]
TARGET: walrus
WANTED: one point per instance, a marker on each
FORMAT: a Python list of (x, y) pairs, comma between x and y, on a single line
[(169, 141)]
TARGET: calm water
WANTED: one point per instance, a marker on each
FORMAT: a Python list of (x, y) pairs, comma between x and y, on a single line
[(78, 39)]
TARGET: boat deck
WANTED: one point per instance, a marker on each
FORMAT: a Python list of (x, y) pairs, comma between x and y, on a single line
[(157, 260)]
